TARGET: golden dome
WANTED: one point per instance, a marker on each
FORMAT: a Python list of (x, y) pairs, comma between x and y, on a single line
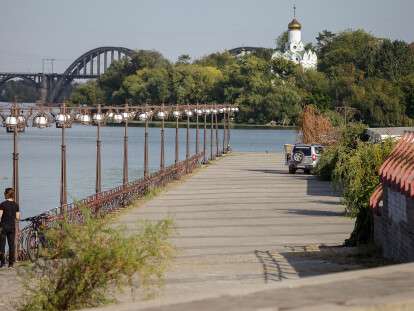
[(294, 25)]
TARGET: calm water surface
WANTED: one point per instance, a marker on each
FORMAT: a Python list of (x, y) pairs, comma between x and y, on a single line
[(40, 158)]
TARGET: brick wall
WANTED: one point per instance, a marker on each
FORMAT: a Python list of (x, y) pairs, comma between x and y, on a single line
[(394, 228)]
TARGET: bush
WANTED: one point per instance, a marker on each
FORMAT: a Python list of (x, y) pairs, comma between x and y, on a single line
[(357, 175), (350, 136), (353, 166), (86, 260), (327, 163)]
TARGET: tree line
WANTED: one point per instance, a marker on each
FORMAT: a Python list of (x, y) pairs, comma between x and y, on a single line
[(360, 77)]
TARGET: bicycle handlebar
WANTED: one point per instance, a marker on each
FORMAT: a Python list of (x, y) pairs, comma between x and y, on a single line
[(35, 218)]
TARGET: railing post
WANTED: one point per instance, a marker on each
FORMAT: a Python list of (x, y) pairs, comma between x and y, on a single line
[(125, 166), (98, 181)]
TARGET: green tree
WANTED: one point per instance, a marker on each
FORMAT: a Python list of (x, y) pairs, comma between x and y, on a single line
[(282, 41), (20, 90), (87, 94), (148, 85), (323, 39), (283, 68), (380, 102), (407, 88), (194, 83), (218, 60), (393, 60), (184, 59), (315, 88), (261, 95), (111, 81), (348, 47)]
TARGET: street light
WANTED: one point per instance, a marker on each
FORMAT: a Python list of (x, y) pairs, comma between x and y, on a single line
[(162, 115), (97, 118), (189, 114), (124, 116), (117, 118), (144, 116), (40, 121), (198, 113), (213, 113), (63, 120), (205, 112), (176, 114)]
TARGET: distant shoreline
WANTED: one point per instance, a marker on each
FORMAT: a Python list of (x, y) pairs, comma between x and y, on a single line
[(171, 124)]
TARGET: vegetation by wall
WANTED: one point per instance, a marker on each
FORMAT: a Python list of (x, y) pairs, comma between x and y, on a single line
[(353, 165)]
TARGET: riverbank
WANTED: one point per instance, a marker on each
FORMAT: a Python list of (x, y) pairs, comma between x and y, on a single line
[(171, 124)]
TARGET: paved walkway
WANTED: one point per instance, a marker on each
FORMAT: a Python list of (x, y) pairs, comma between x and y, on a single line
[(244, 222)]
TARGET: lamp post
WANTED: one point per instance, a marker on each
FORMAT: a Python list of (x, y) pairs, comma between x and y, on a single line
[(217, 137), (144, 117), (189, 113), (211, 135), (62, 121), (224, 129), (161, 115), (97, 118), (176, 114), (12, 126), (125, 166), (15, 159), (205, 137), (197, 144), (228, 128)]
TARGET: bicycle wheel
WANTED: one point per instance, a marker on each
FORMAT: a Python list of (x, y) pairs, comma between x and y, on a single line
[(32, 246)]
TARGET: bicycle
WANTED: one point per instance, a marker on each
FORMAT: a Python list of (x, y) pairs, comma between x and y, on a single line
[(32, 236)]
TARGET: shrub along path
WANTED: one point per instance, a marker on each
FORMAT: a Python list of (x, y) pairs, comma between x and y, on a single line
[(242, 222)]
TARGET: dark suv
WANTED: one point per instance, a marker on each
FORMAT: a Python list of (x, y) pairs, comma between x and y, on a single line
[(304, 157)]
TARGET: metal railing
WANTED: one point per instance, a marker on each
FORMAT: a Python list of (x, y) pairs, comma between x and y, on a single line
[(103, 203)]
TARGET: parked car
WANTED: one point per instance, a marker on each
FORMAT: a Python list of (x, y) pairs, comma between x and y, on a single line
[(304, 157)]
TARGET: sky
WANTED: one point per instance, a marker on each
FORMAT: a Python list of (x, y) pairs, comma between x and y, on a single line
[(64, 29)]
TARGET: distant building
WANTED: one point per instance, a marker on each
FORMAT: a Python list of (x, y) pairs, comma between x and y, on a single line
[(246, 50), (382, 133), (295, 49)]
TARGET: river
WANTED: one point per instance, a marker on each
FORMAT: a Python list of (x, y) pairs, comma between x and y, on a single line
[(40, 158)]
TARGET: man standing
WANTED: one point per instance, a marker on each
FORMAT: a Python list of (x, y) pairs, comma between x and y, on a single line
[(9, 213)]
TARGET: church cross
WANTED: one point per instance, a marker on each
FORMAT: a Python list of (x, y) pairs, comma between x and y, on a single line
[(294, 10)]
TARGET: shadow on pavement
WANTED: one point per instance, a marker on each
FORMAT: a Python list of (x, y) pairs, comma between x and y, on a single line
[(313, 185), (312, 212), (313, 260)]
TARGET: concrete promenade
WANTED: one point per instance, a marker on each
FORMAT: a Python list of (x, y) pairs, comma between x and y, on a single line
[(252, 237), (244, 222)]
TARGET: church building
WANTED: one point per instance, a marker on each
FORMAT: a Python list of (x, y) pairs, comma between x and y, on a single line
[(295, 49)]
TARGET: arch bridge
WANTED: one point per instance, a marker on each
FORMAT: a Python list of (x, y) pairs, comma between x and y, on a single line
[(89, 65)]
